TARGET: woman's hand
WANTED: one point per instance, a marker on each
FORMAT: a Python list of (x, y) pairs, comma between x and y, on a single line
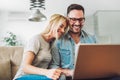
[(53, 73)]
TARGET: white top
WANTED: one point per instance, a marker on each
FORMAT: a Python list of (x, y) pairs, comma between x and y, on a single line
[(76, 50)]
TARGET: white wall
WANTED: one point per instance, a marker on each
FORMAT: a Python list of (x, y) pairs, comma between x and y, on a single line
[(14, 16), (108, 26), (20, 26)]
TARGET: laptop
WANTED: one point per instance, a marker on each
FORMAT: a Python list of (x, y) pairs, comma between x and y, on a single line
[(97, 61)]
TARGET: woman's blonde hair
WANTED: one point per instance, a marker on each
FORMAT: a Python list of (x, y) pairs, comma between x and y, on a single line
[(54, 22)]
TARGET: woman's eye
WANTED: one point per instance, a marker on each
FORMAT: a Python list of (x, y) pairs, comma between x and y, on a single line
[(61, 26)]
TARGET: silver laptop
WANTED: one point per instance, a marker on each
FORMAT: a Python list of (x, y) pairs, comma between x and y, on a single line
[(97, 61)]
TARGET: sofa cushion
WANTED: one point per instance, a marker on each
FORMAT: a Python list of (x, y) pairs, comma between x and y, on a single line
[(5, 69), (16, 58), (13, 54)]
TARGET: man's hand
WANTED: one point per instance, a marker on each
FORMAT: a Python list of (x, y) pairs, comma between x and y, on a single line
[(67, 72), (53, 73)]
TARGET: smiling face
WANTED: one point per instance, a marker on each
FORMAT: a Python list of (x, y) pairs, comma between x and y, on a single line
[(61, 29), (57, 26), (76, 20)]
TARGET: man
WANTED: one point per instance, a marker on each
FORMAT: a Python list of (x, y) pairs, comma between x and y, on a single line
[(66, 48)]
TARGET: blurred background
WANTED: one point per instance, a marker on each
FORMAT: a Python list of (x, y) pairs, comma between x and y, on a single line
[(102, 19)]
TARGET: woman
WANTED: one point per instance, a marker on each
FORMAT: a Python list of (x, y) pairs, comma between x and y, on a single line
[(37, 53)]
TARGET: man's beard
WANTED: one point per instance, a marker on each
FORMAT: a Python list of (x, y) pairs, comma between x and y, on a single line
[(71, 30)]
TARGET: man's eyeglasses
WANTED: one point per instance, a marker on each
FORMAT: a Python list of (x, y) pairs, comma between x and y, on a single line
[(77, 19)]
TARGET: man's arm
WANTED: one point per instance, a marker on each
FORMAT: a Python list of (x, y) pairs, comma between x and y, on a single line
[(55, 63)]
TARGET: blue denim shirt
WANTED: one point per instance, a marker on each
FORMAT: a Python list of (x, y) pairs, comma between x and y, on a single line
[(63, 51)]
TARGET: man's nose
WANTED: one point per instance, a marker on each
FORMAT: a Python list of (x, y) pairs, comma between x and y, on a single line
[(77, 22)]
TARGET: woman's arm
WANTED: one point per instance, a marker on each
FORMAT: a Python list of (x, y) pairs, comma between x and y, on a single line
[(30, 69)]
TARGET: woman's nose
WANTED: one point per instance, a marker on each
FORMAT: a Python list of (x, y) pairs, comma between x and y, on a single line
[(62, 30)]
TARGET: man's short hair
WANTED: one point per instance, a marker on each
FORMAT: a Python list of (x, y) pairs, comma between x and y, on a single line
[(75, 7)]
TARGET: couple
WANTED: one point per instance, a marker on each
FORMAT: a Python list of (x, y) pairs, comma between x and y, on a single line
[(58, 41)]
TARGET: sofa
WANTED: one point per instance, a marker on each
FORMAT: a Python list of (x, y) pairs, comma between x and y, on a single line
[(10, 60)]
